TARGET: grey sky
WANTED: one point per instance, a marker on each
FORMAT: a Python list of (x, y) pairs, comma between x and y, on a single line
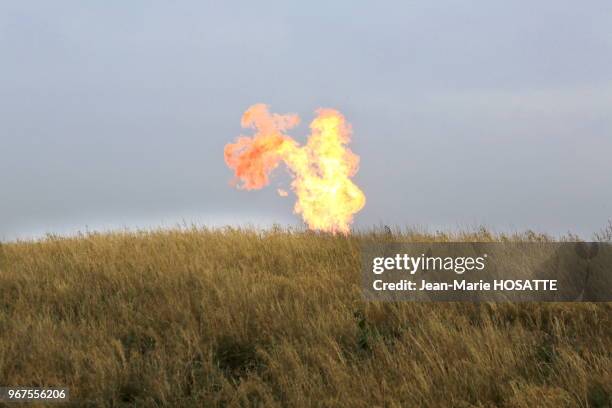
[(488, 112)]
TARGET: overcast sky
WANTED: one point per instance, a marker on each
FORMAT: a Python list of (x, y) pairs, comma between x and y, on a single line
[(115, 113)]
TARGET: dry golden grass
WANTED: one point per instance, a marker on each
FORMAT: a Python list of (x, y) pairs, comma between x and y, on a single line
[(246, 318)]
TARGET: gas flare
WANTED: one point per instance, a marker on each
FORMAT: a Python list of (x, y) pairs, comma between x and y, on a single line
[(327, 198)]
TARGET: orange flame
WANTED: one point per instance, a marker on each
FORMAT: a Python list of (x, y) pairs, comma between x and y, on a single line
[(327, 199)]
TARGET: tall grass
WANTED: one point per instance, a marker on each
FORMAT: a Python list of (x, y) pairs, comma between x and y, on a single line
[(275, 318)]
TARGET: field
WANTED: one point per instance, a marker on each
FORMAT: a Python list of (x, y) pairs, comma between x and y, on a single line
[(231, 317)]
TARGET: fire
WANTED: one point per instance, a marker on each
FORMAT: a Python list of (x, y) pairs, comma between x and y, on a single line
[(327, 198)]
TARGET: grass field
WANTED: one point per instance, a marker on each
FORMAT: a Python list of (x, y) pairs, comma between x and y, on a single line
[(245, 318)]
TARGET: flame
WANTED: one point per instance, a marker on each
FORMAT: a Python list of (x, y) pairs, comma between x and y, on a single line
[(327, 199)]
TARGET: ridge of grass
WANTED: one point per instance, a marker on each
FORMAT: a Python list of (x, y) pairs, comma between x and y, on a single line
[(243, 317)]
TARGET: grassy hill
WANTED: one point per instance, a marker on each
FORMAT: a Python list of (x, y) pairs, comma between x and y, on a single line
[(246, 318)]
